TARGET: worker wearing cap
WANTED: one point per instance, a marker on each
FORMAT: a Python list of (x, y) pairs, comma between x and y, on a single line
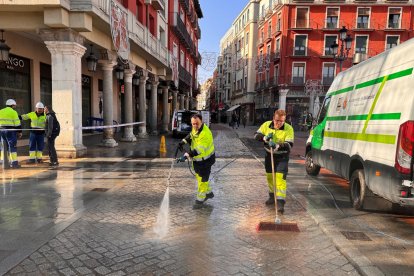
[(279, 135), (9, 127), (37, 133)]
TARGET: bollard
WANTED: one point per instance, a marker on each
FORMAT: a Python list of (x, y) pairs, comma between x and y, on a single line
[(5, 151), (163, 147)]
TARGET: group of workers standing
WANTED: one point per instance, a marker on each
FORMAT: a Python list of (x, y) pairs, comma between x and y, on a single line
[(275, 134), (43, 123)]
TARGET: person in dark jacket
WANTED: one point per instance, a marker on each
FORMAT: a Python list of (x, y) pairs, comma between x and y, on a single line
[(52, 129)]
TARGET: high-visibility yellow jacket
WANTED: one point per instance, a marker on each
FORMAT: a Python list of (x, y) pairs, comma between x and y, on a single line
[(202, 144), (9, 118), (36, 121), (283, 136)]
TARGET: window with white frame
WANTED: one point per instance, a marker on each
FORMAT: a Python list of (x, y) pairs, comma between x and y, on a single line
[(191, 68), (329, 41), (276, 74), (277, 46), (298, 73), (394, 16), (279, 22), (332, 18), (187, 64), (302, 15), (361, 44), (182, 58), (175, 50), (392, 41), (300, 45), (363, 18), (328, 73)]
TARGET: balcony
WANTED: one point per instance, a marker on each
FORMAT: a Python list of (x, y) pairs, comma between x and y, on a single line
[(186, 5), (184, 75), (182, 33), (198, 31), (260, 42), (138, 33), (198, 58), (275, 56), (302, 24), (300, 51), (157, 4)]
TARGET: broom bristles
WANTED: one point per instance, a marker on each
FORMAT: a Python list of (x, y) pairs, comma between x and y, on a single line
[(271, 226)]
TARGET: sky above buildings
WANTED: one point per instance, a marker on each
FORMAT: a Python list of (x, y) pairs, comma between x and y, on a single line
[(218, 17)]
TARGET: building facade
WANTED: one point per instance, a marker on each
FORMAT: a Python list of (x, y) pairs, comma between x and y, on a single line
[(295, 60), (52, 43)]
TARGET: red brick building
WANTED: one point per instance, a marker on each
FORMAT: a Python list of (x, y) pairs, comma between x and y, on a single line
[(294, 45), (183, 36)]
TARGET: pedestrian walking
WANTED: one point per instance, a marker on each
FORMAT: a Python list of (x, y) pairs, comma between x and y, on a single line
[(233, 119), (52, 129), (244, 120), (279, 135), (309, 120), (37, 133), (9, 122), (202, 154)]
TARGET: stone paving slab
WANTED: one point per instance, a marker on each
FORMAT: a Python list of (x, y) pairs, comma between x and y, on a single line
[(116, 237)]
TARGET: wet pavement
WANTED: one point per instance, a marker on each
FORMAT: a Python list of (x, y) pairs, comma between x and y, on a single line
[(95, 216)]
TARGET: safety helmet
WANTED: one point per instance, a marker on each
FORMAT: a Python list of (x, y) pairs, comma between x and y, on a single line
[(40, 105), (10, 102)]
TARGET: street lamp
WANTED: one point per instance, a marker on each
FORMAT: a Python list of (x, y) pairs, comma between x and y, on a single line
[(91, 61), (119, 72), (4, 49), (346, 41)]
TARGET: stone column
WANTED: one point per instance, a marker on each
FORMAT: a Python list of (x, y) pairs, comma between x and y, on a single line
[(182, 101), (282, 98), (154, 105), (175, 100), (142, 129), (108, 102), (128, 130), (66, 52), (165, 109)]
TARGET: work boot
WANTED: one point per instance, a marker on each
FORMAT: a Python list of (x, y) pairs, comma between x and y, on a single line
[(209, 195), (198, 205), (39, 161), (271, 199), (31, 161), (280, 206)]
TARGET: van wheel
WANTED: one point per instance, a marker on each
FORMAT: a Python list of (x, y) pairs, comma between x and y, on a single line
[(358, 189), (311, 168)]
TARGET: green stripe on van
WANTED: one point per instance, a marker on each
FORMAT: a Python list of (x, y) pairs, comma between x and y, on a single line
[(336, 118), (400, 74), (369, 83), (343, 90), (360, 117), (374, 138), (392, 76)]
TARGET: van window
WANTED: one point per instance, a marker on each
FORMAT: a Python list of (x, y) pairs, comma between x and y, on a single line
[(324, 109)]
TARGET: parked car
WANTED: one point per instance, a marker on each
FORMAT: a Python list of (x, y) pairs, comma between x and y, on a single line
[(181, 121), (365, 129)]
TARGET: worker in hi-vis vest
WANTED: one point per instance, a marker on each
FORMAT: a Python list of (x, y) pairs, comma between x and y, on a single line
[(10, 128), (202, 153), (279, 135), (37, 133)]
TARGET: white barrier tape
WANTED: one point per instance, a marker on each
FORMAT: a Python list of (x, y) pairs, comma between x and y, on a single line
[(73, 128)]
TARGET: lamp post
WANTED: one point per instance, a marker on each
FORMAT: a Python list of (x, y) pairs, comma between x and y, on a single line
[(346, 41), (91, 61)]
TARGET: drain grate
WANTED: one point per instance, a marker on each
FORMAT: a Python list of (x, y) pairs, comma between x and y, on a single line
[(100, 190), (355, 236)]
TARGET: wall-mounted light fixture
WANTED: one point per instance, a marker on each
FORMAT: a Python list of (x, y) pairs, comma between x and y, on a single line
[(4, 49), (92, 61)]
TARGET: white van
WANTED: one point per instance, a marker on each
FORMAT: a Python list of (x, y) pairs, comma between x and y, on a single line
[(365, 128), (181, 121)]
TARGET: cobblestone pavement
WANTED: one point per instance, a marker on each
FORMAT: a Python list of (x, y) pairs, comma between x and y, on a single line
[(116, 236)]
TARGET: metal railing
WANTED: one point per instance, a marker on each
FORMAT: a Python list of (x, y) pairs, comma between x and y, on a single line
[(182, 33), (184, 75)]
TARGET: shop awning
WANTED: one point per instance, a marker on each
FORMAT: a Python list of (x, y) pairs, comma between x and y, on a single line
[(234, 107)]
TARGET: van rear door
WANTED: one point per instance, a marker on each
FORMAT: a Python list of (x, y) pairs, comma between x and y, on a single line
[(318, 133)]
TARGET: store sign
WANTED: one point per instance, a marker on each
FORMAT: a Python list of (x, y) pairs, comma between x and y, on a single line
[(16, 63)]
